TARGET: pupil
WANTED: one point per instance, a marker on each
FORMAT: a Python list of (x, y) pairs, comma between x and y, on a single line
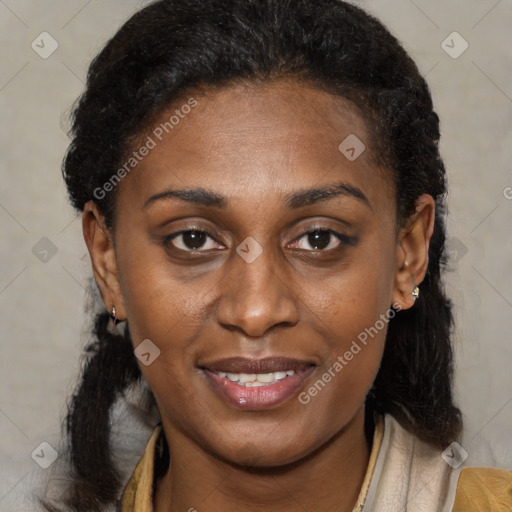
[(196, 239), (319, 239)]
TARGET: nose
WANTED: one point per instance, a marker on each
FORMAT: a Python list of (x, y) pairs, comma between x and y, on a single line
[(257, 296)]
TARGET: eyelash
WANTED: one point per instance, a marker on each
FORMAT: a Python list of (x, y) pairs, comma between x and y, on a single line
[(343, 239)]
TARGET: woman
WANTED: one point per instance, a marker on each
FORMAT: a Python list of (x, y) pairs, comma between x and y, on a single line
[(263, 205)]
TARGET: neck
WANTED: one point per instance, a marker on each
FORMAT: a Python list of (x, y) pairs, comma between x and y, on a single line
[(329, 479)]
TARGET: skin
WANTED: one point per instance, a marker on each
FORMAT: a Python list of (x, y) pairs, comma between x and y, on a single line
[(254, 145)]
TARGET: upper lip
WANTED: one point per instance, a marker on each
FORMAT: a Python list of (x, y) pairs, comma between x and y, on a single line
[(265, 365)]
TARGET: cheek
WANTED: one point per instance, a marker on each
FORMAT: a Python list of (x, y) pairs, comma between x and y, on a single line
[(356, 340), (352, 313), (171, 315), (157, 305)]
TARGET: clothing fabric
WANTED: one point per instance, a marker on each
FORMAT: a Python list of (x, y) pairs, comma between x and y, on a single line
[(404, 475)]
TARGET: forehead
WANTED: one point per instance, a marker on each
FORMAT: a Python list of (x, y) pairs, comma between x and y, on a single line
[(247, 140)]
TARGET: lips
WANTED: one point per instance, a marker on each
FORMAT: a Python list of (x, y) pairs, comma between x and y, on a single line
[(255, 384), (266, 365)]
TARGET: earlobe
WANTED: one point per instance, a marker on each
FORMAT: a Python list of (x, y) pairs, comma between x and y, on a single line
[(412, 252), (101, 249)]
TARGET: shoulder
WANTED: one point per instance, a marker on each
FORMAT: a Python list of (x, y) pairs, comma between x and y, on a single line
[(412, 475), (481, 489)]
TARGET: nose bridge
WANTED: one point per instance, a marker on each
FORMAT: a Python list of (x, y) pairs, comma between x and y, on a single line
[(256, 295)]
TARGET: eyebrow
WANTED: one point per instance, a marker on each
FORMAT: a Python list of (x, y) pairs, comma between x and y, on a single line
[(294, 200)]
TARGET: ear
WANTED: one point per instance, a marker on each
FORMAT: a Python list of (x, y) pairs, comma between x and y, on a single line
[(412, 251), (101, 249)]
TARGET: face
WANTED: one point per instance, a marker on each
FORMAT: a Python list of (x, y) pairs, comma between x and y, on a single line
[(255, 255)]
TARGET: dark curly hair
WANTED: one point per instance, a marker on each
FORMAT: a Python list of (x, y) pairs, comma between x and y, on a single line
[(172, 47)]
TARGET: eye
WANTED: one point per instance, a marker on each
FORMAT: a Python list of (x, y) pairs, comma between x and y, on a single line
[(321, 240), (318, 239), (191, 240)]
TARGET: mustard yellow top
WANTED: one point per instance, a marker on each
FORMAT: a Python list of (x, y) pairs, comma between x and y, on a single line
[(478, 489), (484, 489)]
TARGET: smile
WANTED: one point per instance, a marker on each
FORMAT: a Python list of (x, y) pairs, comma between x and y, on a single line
[(252, 384)]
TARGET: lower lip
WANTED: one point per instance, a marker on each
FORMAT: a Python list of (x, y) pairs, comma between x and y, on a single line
[(261, 397)]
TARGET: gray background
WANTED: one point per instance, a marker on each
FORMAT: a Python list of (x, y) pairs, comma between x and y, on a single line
[(42, 294)]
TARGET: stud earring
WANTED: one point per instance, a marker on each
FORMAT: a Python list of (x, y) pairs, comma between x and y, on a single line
[(415, 294)]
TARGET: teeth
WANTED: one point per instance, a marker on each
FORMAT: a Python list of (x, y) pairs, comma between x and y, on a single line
[(253, 380), (247, 377), (254, 384), (265, 377)]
